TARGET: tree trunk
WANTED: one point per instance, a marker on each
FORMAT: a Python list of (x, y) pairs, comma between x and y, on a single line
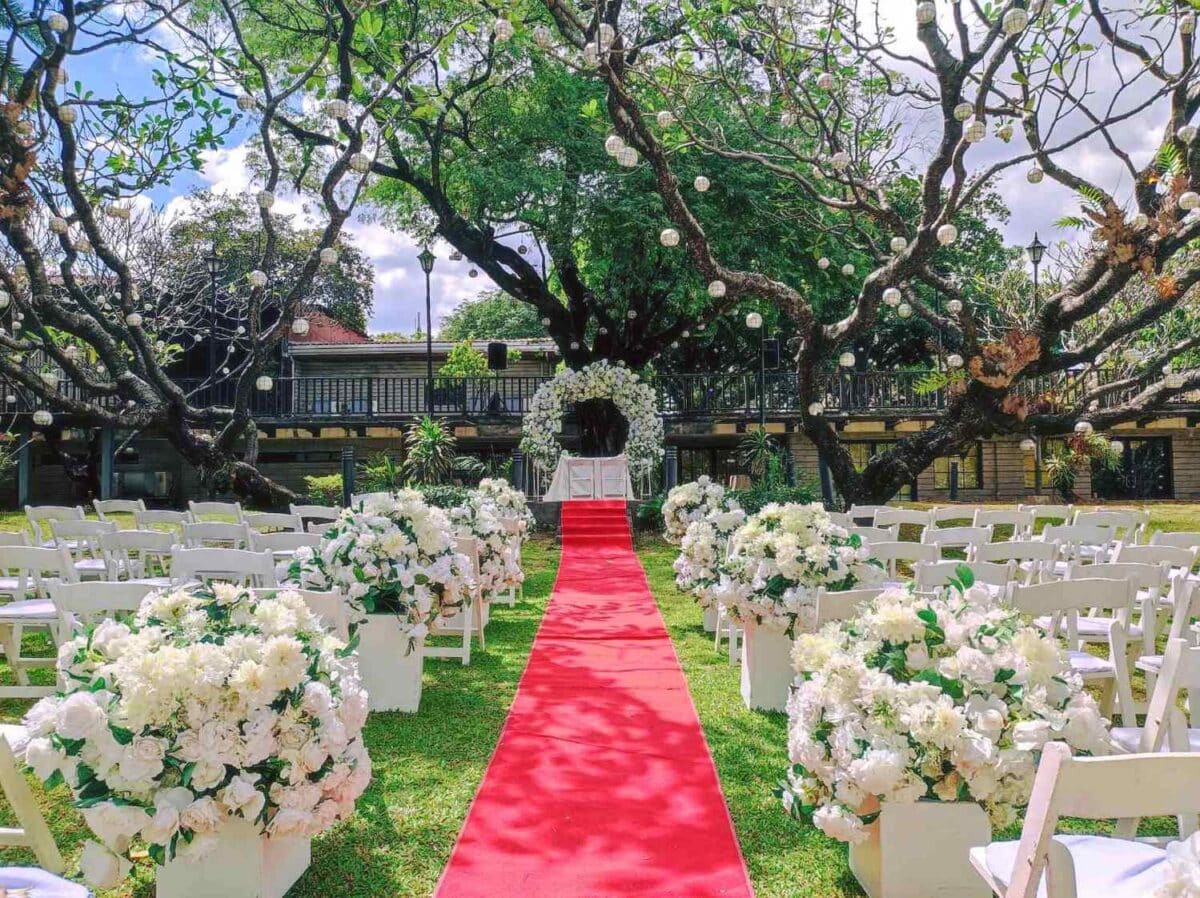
[(224, 470), (83, 473), (602, 428)]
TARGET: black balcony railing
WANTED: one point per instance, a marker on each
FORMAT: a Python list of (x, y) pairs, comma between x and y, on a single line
[(681, 396)]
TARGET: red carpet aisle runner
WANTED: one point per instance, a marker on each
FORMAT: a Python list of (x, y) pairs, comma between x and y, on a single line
[(602, 784)]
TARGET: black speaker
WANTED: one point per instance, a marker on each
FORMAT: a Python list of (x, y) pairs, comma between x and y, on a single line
[(771, 353), (497, 356)]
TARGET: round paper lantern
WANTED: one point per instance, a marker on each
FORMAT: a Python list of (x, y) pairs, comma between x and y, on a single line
[(899, 244), (245, 102), (1189, 200), (300, 327), (50, 379), (591, 56), (257, 278), (542, 36), (686, 334), (502, 30), (665, 118), (606, 34), (754, 321), (43, 418), (926, 13), (1117, 447), (1187, 133), (840, 161), (613, 144), (964, 111), (954, 360), (1028, 445), (892, 296), (1084, 427), (264, 383), (602, 331), (1035, 175), (954, 306), (848, 269), (574, 344), (337, 108), (904, 310), (627, 157), (328, 256), (716, 289), (58, 225), (10, 399), (846, 359), (1015, 21), (975, 131), (669, 237), (67, 114), (265, 199), (947, 234), (57, 22), (701, 184), (360, 163), (133, 319), (1005, 132), (816, 409), (825, 81), (787, 119), (822, 263)]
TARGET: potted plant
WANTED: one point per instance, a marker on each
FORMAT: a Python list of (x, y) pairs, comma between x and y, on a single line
[(697, 569), (769, 579), (395, 562), (918, 724), (219, 730)]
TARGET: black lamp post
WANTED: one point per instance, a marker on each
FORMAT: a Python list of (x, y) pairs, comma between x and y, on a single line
[(754, 321), (426, 258), (213, 261), (1036, 250)]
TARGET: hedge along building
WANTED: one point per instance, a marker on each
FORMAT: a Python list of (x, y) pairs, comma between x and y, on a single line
[(336, 387)]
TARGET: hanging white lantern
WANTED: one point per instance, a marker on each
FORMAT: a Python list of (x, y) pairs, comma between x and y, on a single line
[(328, 255), (574, 344), (627, 157), (1189, 200), (1174, 381), (57, 22), (264, 383), (848, 269), (669, 237), (840, 161), (904, 310), (685, 334), (602, 331), (591, 56), (964, 111), (899, 244), (701, 184), (716, 289), (1028, 445), (754, 321), (43, 418), (542, 36), (257, 278), (67, 115), (947, 234), (545, 322), (1117, 447), (613, 144), (606, 35), (926, 13), (892, 296), (665, 118), (954, 360), (300, 327), (5, 299), (360, 163), (1187, 23), (787, 119), (246, 103), (133, 319), (1084, 427), (50, 379), (1005, 132), (10, 399), (1015, 21), (825, 81), (337, 108), (631, 314), (822, 263), (975, 131), (265, 199), (1035, 175), (816, 409), (58, 225), (846, 359), (502, 29), (954, 306), (1187, 133)]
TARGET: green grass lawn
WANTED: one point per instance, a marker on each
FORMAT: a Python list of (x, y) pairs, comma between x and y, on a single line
[(428, 765)]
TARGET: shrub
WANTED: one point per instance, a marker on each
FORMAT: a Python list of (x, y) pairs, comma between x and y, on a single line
[(444, 496), (324, 489)]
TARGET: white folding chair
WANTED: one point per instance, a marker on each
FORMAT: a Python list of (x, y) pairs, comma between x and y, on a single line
[(80, 605), (872, 535), (1126, 525), (31, 831), (106, 507), (28, 571), (965, 538), (1182, 539), (470, 615), (943, 514), (216, 535), (891, 552), (864, 515), (14, 538), (995, 575), (81, 539), (232, 565), (842, 605), (1152, 583), (282, 544), (1058, 513), (157, 519), (330, 607), (380, 496), (1060, 603), (138, 556), (220, 510), (1020, 521), (1178, 558), (308, 514), (1092, 866), (897, 517), (515, 591), (1035, 560), (318, 527), (1183, 591), (1078, 542), (272, 521), (841, 519), (1167, 728), (39, 515)]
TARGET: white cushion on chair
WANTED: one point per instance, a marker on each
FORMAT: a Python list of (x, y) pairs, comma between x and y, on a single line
[(1104, 867), (28, 609), (1092, 628), (1149, 664), (1088, 664), (1128, 738)]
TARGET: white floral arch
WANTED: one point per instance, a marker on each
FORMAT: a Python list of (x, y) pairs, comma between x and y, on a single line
[(600, 380)]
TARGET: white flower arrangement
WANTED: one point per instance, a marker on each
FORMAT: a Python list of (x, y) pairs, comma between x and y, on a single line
[(1183, 869), (697, 569), (509, 501), (599, 380), (780, 557), (389, 555), (691, 502), (499, 553), (943, 698), (211, 705)]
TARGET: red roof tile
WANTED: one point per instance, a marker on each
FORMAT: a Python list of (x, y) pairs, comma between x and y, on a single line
[(323, 329)]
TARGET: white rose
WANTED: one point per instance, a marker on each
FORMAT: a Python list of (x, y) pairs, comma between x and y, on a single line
[(101, 868), (43, 757), (317, 699), (162, 826), (838, 823), (242, 797), (207, 775), (201, 816), (1031, 735), (115, 824), (79, 717)]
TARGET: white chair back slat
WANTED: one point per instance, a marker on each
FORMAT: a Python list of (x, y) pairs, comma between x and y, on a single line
[(217, 535), (842, 605), (378, 496), (14, 538), (30, 568), (1072, 596), (934, 575), (39, 517), (864, 515), (841, 519), (137, 553), (220, 510), (895, 517), (106, 507), (1176, 557), (233, 565), (944, 513), (157, 518), (891, 552), (267, 521), (86, 604), (1127, 525), (283, 542), (311, 513), (871, 535), (1062, 513), (1182, 539), (1020, 521), (967, 538)]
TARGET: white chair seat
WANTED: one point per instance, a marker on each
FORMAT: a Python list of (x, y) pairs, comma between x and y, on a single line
[(1092, 629), (12, 585), (1151, 664), (1104, 867), (1128, 738), (15, 735), (28, 609), (1088, 665), (157, 582)]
